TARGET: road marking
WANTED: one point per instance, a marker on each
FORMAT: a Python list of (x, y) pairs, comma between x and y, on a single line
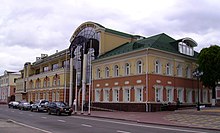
[(22, 124), (140, 125), (85, 125), (44, 117), (61, 120), (119, 131)]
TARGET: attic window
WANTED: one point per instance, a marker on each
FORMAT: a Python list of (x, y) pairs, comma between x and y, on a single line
[(185, 49)]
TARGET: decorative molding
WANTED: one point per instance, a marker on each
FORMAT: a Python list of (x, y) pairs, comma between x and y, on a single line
[(126, 82), (97, 85), (138, 81), (158, 81), (116, 83), (106, 84), (169, 82)]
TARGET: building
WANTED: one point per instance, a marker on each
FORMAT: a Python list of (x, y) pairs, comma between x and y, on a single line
[(46, 78), (8, 86), (117, 71), (135, 73)]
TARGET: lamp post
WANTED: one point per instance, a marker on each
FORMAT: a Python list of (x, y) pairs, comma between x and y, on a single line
[(197, 74)]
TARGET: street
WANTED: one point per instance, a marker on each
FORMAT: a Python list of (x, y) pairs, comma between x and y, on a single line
[(42, 122)]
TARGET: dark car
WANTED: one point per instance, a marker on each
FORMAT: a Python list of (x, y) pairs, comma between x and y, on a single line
[(13, 104), (59, 108), (40, 105)]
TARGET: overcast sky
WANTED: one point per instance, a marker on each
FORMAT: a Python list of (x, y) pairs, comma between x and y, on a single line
[(31, 27)]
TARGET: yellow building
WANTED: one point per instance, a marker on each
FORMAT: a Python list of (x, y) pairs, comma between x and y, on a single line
[(119, 71)]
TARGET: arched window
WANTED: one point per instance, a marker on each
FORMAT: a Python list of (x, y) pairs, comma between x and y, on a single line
[(107, 72), (31, 84), (188, 72), (116, 71), (98, 73), (168, 69), (56, 80), (37, 84), (46, 82), (127, 69), (157, 67), (139, 67), (179, 70)]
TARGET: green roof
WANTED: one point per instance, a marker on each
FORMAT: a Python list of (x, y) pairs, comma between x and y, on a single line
[(161, 42), (118, 33)]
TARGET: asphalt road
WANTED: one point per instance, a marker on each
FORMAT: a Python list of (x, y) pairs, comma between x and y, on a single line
[(44, 123)]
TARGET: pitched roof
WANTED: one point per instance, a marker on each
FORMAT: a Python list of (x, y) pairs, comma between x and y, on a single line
[(161, 42)]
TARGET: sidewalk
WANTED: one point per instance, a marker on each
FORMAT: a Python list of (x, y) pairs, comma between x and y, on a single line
[(207, 118)]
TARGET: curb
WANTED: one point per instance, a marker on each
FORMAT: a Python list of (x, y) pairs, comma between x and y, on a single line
[(142, 122)]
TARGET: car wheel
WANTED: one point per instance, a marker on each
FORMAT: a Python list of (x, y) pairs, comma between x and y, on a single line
[(37, 110), (69, 114), (58, 112), (49, 112), (31, 110)]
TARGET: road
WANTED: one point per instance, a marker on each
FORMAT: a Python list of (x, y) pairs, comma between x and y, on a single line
[(44, 123)]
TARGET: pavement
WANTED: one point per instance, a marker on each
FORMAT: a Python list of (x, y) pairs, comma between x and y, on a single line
[(206, 118)]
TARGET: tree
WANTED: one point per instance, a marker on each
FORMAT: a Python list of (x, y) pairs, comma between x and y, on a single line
[(209, 63)]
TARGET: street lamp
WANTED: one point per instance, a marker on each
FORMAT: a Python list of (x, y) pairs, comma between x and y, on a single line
[(198, 74)]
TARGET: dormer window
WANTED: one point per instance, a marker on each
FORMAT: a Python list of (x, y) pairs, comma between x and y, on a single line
[(185, 49)]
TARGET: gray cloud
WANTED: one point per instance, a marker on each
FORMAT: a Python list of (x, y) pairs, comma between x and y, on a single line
[(30, 27)]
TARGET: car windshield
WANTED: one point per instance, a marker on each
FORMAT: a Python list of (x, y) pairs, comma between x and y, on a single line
[(61, 104)]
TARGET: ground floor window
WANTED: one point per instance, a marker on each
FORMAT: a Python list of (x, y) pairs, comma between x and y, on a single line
[(180, 94), (53, 96), (205, 96), (126, 95), (169, 94), (106, 94), (97, 95), (158, 93), (189, 96), (47, 95), (116, 95), (139, 94), (57, 95)]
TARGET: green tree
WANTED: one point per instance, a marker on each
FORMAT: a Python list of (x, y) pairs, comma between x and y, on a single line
[(209, 63)]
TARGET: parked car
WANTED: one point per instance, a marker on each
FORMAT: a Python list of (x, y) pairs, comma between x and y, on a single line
[(13, 104), (24, 106), (40, 105), (59, 108)]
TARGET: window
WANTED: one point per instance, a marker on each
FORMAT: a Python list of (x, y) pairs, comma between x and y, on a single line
[(127, 95), (127, 69), (139, 67), (188, 72), (158, 93), (37, 71), (157, 67), (179, 71), (180, 94), (139, 94), (54, 66), (116, 95), (106, 95), (45, 69), (98, 73), (185, 49), (38, 85), (56, 80), (107, 72), (205, 96), (116, 71), (97, 95), (46, 82), (57, 95), (47, 95), (169, 94), (189, 96), (53, 96), (168, 69), (66, 64)]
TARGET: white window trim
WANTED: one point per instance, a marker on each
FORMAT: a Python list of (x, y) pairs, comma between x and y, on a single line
[(159, 67), (172, 93), (113, 96), (127, 88), (106, 99), (141, 66), (116, 71), (179, 70), (142, 93), (191, 96), (182, 91), (96, 90), (98, 73), (107, 72), (127, 73), (161, 93)]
